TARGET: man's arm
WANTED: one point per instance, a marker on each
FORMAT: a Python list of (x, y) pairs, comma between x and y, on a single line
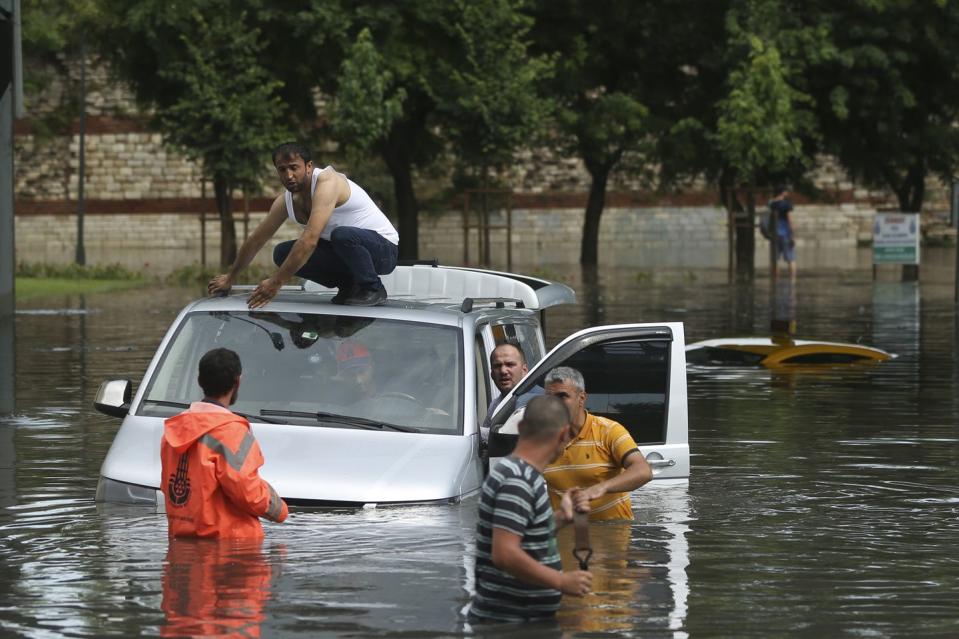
[(325, 198), (574, 500), (509, 556), (240, 479), (221, 284), (789, 224), (636, 472)]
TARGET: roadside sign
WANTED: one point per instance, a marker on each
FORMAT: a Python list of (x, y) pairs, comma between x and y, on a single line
[(895, 238)]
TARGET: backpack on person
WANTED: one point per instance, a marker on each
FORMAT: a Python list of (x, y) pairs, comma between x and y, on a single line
[(766, 222)]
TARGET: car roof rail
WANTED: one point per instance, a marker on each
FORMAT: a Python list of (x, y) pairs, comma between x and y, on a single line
[(252, 287), (433, 283), (500, 302), (428, 262)]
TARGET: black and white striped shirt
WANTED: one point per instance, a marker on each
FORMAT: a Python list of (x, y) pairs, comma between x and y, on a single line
[(514, 498)]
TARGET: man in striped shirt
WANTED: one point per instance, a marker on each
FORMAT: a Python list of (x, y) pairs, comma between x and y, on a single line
[(519, 575), (601, 457)]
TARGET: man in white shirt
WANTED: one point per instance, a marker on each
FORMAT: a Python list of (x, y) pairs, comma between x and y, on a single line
[(347, 241)]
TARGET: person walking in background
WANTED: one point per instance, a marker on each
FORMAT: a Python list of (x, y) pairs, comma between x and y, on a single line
[(785, 237), (210, 461), (519, 573)]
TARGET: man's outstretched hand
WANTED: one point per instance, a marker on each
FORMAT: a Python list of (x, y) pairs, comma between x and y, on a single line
[(220, 285), (263, 293)]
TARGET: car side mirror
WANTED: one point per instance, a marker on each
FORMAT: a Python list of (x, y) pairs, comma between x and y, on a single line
[(503, 437), (113, 398)]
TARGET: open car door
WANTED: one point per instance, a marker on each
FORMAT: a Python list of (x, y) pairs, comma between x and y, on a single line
[(635, 374)]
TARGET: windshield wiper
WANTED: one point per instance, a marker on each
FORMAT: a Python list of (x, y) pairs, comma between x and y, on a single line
[(360, 422), (249, 418), (166, 402)]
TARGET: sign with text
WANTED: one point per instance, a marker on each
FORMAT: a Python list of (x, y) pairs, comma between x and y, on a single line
[(895, 238)]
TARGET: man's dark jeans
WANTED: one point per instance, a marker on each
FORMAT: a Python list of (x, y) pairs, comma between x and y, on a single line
[(351, 258)]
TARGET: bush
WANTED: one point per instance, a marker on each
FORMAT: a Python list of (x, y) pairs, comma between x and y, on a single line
[(76, 272), (197, 274)]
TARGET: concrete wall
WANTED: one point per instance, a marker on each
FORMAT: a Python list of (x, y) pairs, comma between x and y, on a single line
[(144, 204), (644, 237)]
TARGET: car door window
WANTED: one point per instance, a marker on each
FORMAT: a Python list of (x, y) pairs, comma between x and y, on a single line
[(482, 379), (528, 336), (627, 381)]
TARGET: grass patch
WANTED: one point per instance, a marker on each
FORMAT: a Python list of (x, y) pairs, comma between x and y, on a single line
[(41, 280), (74, 271), (30, 287)]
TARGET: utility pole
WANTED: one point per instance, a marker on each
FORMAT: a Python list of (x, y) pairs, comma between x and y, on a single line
[(11, 102), (954, 223), (81, 257)]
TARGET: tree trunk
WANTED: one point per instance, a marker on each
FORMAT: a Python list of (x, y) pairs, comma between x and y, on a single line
[(401, 168), (224, 206), (746, 237), (727, 197), (589, 249), (910, 189)]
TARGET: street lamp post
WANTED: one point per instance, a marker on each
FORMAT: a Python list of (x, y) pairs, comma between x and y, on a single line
[(81, 256)]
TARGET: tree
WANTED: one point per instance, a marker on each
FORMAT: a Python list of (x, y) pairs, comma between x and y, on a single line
[(224, 113), (602, 86), (887, 102), (53, 33), (202, 72), (422, 78), (761, 121), (492, 103)]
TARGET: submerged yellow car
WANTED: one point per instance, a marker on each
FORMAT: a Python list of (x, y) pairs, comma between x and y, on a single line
[(774, 352)]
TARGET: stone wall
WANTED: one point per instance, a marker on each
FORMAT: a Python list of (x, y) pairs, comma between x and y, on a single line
[(644, 237), (144, 204)]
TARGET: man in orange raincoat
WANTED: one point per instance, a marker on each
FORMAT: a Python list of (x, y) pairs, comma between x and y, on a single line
[(210, 461)]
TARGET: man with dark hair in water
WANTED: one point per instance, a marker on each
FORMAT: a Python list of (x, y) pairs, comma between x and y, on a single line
[(519, 575), (210, 462)]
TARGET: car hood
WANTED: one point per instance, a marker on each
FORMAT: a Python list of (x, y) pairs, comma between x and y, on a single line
[(350, 465), (325, 464)]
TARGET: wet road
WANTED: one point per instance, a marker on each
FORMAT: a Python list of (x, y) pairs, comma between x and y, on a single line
[(821, 503)]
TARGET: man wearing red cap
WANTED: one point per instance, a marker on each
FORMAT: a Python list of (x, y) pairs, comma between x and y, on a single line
[(356, 364)]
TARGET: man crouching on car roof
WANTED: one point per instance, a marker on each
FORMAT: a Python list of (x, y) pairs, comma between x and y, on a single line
[(210, 462)]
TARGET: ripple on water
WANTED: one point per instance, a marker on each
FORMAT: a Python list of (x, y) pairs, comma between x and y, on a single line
[(820, 504)]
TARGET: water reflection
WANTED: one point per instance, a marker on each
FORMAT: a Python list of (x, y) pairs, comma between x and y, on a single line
[(822, 507), (7, 364), (216, 588), (639, 569)]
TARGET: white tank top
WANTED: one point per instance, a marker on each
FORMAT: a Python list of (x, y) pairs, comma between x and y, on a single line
[(359, 211)]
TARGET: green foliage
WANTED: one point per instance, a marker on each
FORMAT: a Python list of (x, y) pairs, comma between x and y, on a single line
[(31, 287), (603, 126), (886, 98), (759, 127), (51, 32), (195, 273), (367, 101), (224, 108), (491, 100), (601, 83), (74, 271)]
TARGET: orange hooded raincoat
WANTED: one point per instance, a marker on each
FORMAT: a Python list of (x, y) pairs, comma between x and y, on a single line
[(210, 480)]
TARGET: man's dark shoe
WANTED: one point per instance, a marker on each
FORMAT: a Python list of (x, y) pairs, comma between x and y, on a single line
[(342, 295), (368, 297)]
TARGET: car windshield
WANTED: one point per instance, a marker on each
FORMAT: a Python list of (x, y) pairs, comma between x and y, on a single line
[(321, 370)]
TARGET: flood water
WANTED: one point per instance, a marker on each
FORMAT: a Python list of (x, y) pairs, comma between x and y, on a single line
[(820, 504)]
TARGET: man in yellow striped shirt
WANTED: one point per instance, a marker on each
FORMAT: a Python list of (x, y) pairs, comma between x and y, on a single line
[(601, 457)]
